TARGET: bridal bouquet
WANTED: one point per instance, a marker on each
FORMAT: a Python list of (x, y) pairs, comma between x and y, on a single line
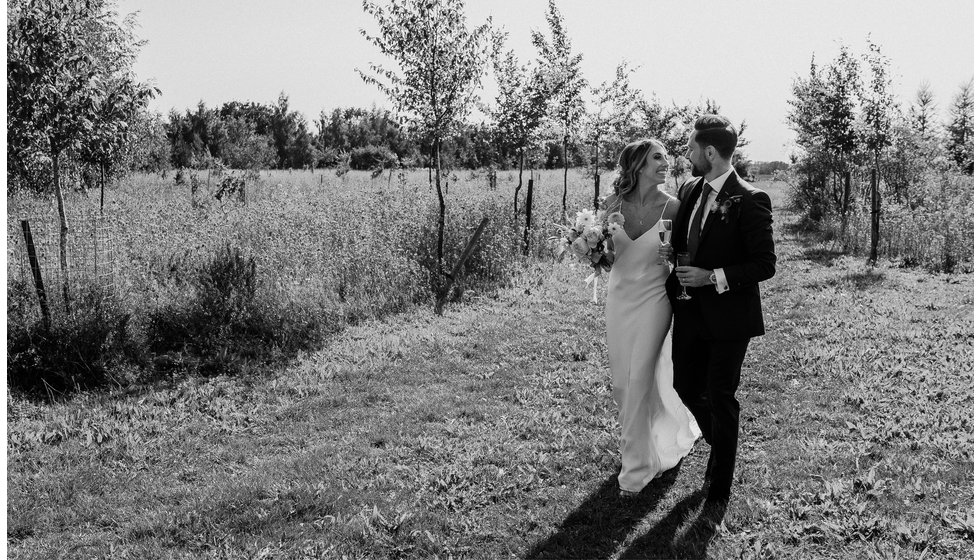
[(586, 237)]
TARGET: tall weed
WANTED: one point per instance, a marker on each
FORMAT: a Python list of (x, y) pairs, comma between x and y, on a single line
[(218, 285), (933, 228), (89, 347)]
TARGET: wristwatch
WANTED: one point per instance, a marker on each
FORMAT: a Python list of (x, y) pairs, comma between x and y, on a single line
[(713, 278)]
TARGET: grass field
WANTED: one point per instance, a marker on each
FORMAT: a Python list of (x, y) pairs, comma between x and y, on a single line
[(490, 432)]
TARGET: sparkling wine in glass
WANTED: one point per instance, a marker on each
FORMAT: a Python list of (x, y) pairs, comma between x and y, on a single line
[(683, 259), (665, 228)]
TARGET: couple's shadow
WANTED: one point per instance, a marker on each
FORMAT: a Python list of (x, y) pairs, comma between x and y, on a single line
[(600, 524)]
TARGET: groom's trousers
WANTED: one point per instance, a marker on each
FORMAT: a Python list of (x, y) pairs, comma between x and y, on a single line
[(706, 375)]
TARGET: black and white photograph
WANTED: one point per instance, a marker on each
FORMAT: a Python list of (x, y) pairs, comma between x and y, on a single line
[(490, 279)]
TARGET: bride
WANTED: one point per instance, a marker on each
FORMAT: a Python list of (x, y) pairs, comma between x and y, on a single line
[(658, 430)]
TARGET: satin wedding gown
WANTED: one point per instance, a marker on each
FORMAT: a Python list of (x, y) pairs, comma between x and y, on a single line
[(657, 429)]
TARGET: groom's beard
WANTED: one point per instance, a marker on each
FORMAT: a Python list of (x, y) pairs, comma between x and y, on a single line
[(697, 171)]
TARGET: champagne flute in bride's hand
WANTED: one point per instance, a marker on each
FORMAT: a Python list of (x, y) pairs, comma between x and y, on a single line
[(665, 227), (683, 259)]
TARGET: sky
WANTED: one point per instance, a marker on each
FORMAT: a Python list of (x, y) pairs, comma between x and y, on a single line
[(744, 55)]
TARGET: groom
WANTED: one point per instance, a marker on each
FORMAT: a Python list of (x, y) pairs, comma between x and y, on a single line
[(726, 226)]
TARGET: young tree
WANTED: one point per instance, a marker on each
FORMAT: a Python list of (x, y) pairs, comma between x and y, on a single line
[(440, 65), (812, 162), (839, 126), (121, 100), (824, 116), (562, 73), (960, 129), (922, 114), (520, 109), (664, 123), (286, 128), (615, 104), (57, 79), (113, 117), (878, 110)]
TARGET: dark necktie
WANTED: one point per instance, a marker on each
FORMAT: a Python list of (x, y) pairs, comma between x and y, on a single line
[(694, 236)]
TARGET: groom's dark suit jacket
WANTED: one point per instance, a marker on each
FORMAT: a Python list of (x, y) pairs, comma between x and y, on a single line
[(742, 244)]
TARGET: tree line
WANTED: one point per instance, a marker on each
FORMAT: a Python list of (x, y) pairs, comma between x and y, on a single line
[(859, 147), (77, 113), (540, 118)]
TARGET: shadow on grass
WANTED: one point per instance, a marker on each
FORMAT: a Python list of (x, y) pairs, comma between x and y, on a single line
[(600, 524), (665, 541), (802, 226), (821, 255), (857, 280), (814, 241)]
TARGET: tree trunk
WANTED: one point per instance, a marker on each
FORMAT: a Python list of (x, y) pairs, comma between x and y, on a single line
[(102, 173), (595, 175), (520, 180), (564, 163), (442, 208), (595, 196), (845, 205), (63, 231), (875, 215), (527, 218), (595, 167)]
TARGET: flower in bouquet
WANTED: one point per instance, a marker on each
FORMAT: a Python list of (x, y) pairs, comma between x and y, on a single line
[(581, 247), (615, 222), (585, 219), (593, 236)]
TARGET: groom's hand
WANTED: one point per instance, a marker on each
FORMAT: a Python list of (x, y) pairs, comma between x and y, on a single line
[(693, 277)]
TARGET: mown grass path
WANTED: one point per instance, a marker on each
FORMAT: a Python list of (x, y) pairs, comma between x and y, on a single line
[(490, 432)]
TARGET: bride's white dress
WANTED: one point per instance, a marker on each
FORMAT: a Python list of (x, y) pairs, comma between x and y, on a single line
[(658, 430)]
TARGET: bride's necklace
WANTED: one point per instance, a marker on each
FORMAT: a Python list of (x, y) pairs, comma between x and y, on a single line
[(642, 213)]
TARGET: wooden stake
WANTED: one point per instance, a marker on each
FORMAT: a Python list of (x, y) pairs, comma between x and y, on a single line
[(454, 276), (42, 296)]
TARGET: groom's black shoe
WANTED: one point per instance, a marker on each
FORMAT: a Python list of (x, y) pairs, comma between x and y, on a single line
[(713, 514)]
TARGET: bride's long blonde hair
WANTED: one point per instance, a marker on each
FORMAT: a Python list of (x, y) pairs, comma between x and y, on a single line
[(631, 161)]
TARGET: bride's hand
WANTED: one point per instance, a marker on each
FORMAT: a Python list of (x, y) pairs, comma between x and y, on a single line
[(666, 253)]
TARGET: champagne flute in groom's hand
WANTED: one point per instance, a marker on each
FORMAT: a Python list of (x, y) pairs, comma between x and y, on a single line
[(683, 259)]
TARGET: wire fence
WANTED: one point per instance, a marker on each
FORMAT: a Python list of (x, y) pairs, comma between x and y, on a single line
[(91, 256)]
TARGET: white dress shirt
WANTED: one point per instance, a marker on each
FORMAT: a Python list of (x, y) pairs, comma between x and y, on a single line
[(716, 184)]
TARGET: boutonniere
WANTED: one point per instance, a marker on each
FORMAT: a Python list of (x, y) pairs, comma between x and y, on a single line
[(724, 207)]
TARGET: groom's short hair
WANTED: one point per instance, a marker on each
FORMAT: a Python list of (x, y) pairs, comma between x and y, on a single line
[(717, 131)]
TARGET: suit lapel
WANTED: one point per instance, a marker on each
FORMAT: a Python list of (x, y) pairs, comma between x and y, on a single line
[(725, 192)]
